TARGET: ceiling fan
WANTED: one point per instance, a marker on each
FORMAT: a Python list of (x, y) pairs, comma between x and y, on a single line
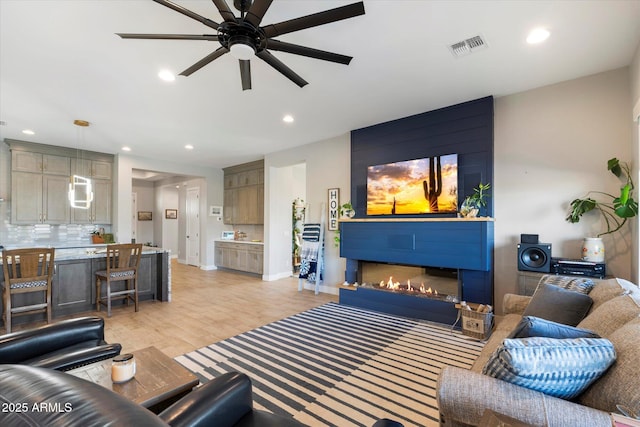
[(244, 38)]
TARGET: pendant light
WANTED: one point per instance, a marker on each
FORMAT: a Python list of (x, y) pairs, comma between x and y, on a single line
[(80, 191)]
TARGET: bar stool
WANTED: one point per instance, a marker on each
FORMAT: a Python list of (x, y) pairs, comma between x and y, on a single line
[(122, 266), (26, 271)]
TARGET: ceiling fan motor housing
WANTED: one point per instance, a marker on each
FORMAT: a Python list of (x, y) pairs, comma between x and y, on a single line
[(231, 33)]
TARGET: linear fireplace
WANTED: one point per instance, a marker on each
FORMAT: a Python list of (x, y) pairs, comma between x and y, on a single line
[(449, 245), (421, 281)]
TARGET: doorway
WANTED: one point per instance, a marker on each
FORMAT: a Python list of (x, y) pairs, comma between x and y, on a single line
[(193, 226), (134, 218)]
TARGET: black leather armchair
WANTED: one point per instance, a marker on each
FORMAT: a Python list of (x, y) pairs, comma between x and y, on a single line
[(42, 397), (63, 345)]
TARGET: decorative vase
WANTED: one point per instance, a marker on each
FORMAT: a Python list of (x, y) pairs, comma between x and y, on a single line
[(593, 249)]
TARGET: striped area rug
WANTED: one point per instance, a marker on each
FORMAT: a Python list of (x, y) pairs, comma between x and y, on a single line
[(337, 365)]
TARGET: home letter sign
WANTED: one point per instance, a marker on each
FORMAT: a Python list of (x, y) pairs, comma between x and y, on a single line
[(334, 208)]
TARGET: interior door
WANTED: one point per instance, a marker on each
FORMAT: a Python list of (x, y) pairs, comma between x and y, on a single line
[(193, 226), (134, 218)]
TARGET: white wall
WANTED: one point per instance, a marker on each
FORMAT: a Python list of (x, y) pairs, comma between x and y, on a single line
[(146, 202), (634, 74), (551, 146), (328, 165), (167, 198)]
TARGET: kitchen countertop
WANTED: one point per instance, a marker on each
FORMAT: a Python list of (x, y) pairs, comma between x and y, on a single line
[(85, 252), (248, 242)]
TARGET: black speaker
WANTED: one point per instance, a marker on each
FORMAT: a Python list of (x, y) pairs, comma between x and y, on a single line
[(529, 238), (534, 257)]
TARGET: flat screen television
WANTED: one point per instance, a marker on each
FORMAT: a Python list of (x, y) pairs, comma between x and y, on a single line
[(414, 187)]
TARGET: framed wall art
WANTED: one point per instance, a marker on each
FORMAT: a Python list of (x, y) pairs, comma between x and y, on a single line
[(144, 216), (171, 213)]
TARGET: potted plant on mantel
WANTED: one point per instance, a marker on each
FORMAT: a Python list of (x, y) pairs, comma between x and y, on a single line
[(472, 204), (615, 209), (346, 211)]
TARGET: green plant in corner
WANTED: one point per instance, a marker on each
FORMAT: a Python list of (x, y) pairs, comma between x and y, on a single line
[(616, 210)]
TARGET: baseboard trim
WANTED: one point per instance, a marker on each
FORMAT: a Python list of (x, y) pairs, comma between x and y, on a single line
[(277, 276)]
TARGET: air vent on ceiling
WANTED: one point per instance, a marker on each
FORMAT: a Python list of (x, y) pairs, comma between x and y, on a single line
[(465, 47)]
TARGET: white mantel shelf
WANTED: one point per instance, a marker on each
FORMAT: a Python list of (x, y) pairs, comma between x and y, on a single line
[(430, 219)]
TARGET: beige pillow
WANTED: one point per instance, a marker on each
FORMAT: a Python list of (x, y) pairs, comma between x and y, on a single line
[(605, 290), (621, 383), (611, 315)]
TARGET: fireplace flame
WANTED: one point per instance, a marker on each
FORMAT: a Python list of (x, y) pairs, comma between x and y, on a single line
[(390, 284)]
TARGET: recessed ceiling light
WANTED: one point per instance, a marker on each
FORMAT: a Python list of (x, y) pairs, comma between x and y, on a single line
[(538, 35), (288, 118), (166, 75), (126, 148), (28, 132), (189, 147)]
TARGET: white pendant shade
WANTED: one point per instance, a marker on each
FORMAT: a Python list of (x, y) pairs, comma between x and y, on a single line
[(80, 192)]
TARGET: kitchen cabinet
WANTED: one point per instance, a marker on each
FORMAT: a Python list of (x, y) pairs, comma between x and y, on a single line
[(26, 161), (93, 169), (255, 259), (39, 198), (40, 183), (244, 194), (100, 210), (247, 257), (100, 174), (71, 290)]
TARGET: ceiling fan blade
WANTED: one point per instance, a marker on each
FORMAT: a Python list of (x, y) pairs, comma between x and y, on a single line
[(245, 74), (307, 51), (204, 61), (256, 11), (187, 12), (320, 18), (209, 37), (267, 57), (224, 10)]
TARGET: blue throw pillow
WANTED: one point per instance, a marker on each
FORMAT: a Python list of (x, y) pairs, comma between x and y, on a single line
[(562, 368), (531, 326)]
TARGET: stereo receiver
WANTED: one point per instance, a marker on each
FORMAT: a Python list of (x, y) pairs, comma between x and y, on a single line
[(578, 267)]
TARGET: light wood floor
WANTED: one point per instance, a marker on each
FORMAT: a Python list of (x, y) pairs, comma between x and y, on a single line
[(206, 306)]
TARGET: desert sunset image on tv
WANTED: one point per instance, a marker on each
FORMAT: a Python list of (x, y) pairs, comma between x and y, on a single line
[(412, 187)]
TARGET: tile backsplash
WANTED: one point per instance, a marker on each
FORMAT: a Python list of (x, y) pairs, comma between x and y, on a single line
[(12, 235)]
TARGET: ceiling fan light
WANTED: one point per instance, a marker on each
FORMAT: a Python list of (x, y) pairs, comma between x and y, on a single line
[(242, 51)]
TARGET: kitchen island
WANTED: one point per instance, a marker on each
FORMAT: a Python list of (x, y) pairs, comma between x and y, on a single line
[(73, 289)]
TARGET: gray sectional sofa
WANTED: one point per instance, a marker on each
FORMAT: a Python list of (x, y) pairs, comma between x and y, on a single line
[(464, 396)]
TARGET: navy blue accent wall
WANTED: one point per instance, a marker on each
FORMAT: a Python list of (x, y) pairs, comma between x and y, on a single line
[(464, 129)]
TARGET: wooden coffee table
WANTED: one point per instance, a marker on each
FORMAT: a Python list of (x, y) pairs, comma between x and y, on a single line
[(159, 380)]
